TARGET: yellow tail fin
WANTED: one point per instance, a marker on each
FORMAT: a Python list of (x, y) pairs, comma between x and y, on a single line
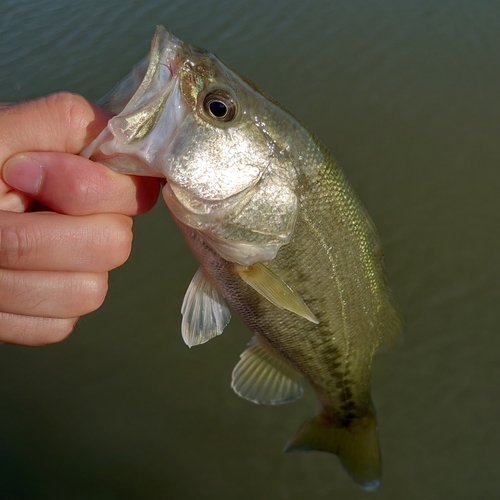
[(355, 443)]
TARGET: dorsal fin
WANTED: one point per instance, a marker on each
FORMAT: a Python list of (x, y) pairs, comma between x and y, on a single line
[(264, 379), (204, 311), (274, 289)]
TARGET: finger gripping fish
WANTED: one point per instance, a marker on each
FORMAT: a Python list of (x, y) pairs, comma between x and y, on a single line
[(279, 233)]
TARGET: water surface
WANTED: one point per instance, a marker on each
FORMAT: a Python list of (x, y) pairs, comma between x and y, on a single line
[(405, 94)]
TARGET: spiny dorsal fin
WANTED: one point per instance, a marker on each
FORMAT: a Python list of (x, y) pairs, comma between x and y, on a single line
[(204, 311), (263, 379), (274, 289)]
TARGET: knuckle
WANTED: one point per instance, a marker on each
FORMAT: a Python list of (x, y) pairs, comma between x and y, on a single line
[(87, 294), (18, 243), (60, 330), (73, 112), (73, 109), (123, 239), (114, 239), (46, 331), (97, 292), (67, 295)]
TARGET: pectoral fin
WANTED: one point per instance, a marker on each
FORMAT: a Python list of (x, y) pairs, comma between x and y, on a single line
[(263, 379), (274, 289), (204, 311)]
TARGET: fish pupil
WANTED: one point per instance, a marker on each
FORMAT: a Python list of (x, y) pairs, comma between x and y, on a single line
[(219, 105), (218, 109)]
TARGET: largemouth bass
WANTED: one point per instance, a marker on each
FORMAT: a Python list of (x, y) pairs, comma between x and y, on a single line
[(278, 231)]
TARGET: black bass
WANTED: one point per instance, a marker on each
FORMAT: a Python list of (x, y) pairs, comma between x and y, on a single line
[(278, 231)]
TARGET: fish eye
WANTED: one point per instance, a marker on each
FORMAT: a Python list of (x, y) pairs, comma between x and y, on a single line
[(220, 106)]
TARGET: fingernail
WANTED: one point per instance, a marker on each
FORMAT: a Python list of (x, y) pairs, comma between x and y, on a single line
[(24, 174)]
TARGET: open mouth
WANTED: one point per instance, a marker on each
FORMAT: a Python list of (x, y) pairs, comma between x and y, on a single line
[(149, 108)]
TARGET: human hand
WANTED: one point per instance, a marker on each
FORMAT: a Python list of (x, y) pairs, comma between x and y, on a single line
[(54, 263)]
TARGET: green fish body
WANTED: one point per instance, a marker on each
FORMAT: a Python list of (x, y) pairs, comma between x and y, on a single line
[(279, 234)]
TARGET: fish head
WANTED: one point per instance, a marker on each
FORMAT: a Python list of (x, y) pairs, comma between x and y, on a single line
[(221, 144)]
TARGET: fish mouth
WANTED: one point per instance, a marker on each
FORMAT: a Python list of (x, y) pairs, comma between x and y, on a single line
[(152, 73), (149, 110)]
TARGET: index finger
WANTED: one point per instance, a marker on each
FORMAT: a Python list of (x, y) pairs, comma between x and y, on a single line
[(47, 241), (61, 122)]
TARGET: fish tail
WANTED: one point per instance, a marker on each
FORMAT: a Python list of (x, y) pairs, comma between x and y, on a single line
[(355, 443)]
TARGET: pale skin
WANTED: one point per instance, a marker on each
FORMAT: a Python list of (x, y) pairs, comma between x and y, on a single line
[(65, 221)]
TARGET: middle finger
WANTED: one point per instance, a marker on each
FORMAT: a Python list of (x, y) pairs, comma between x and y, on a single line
[(47, 241)]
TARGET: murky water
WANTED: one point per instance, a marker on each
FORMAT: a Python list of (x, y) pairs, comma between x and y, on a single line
[(405, 93)]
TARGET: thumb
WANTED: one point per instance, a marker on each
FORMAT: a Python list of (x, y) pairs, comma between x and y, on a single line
[(73, 185)]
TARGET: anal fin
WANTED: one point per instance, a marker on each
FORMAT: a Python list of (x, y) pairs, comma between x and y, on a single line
[(274, 289), (204, 311), (262, 378)]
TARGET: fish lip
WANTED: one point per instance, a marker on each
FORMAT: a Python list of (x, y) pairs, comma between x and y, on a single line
[(180, 51)]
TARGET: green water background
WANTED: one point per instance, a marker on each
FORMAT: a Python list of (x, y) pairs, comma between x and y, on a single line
[(406, 95)]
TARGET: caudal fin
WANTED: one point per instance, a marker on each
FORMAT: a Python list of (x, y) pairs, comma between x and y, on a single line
[(356, 445)]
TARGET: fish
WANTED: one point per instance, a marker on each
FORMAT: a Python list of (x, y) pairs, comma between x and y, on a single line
[(280, 235)]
